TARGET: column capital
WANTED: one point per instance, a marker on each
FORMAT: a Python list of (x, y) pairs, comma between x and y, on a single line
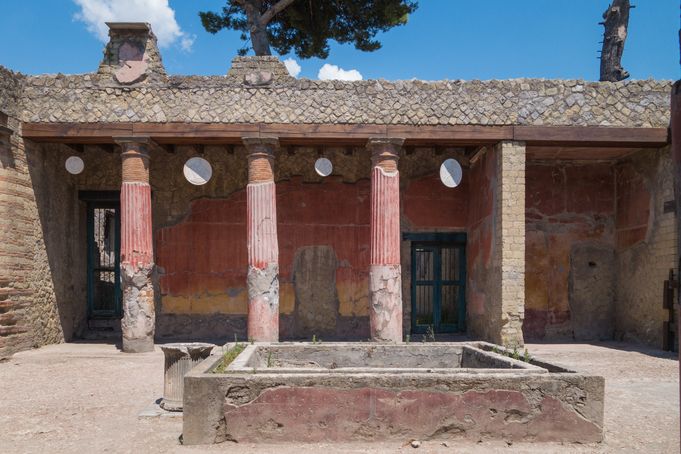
[(258, 144), (135, 156), (135, 140), (260, 157), (385, 152)]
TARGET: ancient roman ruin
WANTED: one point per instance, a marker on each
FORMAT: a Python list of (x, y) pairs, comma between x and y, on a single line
[(562, 226)]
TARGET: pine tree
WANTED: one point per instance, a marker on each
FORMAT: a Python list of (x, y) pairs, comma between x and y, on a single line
[(306, 26)]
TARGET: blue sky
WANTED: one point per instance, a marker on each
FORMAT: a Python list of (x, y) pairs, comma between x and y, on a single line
[(444, 39)]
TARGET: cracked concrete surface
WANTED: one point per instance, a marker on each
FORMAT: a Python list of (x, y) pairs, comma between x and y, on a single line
[(87, 397)]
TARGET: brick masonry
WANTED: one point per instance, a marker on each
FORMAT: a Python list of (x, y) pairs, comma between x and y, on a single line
[(509, 242)]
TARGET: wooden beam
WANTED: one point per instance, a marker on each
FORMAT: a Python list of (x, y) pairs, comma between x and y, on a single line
[(346, 134), (591, 136), (451, 134), (75, 132)]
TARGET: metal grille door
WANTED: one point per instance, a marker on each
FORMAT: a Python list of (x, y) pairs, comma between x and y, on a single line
[(438, 286), (104, 246)]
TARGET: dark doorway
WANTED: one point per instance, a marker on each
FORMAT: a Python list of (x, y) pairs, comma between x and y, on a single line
[(103, 254), (438, 282)]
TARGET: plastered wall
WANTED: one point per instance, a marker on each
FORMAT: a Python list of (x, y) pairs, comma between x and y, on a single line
[(646, 243)]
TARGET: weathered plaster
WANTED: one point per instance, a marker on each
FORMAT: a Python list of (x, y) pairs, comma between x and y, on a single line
[(139, 318), (645, 258), (569, 214)]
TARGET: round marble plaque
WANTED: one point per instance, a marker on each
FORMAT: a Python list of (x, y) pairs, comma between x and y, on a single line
[(323, 167), (451, 173), (74, 165), (197, 171)]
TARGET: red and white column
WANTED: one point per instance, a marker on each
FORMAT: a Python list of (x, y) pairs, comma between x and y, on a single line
[(263, 247), (137, 255), (385, 273)]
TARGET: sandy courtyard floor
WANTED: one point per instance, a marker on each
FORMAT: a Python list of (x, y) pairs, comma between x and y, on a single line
[(85, 398)]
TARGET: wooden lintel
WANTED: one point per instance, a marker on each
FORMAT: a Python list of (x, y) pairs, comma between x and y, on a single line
[(347, 134), (591, 136)]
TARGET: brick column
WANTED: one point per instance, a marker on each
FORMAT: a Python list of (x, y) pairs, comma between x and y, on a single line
[(137, 256), (263, 247), (385, 273), (509, 244)]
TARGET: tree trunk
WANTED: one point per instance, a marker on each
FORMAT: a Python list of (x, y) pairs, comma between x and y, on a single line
[(616, 22), (258, 30)]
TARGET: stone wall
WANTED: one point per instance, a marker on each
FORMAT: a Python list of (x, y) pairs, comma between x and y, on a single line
[(10, 92), (227, 99), (646, 242), (39, 219), (570, 213)]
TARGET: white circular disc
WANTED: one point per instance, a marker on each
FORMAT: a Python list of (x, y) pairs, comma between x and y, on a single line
[(323, 167), (451, 173), (74, 165), (197, 171)]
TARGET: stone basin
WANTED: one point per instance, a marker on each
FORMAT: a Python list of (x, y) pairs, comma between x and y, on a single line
[(342, 392)]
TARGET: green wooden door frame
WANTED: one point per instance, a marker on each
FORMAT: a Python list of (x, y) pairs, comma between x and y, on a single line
[(434, 244), (97, 200)]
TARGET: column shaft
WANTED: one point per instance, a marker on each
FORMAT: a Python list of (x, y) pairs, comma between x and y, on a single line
[(137, 256), (263, 247), (385, 273)]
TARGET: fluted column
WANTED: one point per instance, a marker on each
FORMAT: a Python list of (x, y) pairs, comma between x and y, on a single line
[(263, 247), (385, 273), (137, 255)]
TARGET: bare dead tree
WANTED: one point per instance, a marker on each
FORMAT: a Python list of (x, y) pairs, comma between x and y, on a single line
[(616, 23)]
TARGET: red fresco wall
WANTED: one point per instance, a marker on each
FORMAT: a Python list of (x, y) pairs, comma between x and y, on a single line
[(633, 206), (429, 204), (482, 183), (565, 205), (203, 259)]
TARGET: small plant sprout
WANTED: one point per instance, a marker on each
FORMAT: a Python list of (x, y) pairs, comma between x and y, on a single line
[(229, 356), (526, 356), (251, 340), (269, 358), (407, 338), (516, 354), (314, 338)]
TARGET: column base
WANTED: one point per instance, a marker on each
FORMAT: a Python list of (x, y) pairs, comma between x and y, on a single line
[(263, 303), (138, 345), (139, 315), (385, 309)]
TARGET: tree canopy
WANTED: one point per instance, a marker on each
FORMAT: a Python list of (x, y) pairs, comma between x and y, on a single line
[(306, 26)]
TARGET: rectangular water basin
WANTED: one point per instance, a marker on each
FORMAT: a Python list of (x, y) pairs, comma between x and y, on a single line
[(335, 392), (347, 358)]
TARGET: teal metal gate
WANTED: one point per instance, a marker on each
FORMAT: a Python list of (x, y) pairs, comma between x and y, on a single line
[(103, 253), (438, 282)]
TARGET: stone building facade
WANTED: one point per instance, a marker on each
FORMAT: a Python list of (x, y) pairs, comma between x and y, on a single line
[(560, 229)]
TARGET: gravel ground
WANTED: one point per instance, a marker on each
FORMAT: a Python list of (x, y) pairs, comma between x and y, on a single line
[(85, 398)]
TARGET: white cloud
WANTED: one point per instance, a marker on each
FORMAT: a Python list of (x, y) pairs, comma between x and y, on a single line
[(333, 72), (157, 12), (292, 66)]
